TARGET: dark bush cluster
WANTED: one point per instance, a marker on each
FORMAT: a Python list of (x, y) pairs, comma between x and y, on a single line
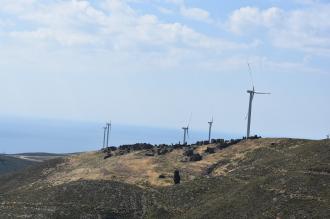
[(228, 143), (253, 137), (163, 149), (195, 157), (210, 150), (179, 146), (213, 141), (109, 149), (192, 156), (159, 150), (136, 147), (188, 152)]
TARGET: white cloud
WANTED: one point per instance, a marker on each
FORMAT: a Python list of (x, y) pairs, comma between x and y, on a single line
[(195, 14), (16, 6), (164, 10), (64, 38), (305, 29), (247, 18), (6, 23), (306, 2), (114, 26), (177, 2)]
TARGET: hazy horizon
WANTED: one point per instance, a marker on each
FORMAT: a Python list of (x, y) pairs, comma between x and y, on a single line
[(60, 136), (22, 135)]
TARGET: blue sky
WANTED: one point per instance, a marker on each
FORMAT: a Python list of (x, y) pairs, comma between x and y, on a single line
[(153, 63)]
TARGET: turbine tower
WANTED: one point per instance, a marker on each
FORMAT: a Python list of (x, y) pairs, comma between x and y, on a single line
[(104, 135), (186, 131), (210, 129), (252, 93), (185, 134), (108, 125)]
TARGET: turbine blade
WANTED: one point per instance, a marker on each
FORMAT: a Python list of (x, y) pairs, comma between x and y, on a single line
[(261, 93), (251, 76), (189, 120)]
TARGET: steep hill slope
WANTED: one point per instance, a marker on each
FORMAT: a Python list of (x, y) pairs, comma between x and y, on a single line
[(264, 178)]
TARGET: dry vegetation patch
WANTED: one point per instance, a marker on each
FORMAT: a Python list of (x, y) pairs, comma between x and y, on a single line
[(136, 168)]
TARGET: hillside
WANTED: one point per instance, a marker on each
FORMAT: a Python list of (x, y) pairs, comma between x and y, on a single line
[(263, 178), (10, 164), (14, 162)]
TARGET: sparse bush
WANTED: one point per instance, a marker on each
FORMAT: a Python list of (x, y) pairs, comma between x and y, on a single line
[(176, 177)]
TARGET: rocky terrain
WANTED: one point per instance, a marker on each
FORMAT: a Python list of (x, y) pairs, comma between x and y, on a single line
[(260, 178)]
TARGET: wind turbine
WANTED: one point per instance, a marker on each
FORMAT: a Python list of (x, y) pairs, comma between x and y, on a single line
[(186, 132), (108, 132), (210, 129), (252, 93)]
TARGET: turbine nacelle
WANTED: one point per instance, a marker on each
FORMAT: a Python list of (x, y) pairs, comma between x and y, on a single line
[(255, 92), (211, 122)]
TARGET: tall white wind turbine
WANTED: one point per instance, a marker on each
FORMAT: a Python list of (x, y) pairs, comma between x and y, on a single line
[(252, 93)]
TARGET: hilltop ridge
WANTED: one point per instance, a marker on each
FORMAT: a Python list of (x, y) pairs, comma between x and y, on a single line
[(261, 178)]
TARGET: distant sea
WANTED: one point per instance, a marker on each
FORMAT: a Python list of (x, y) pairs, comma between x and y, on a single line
[(57, 136)]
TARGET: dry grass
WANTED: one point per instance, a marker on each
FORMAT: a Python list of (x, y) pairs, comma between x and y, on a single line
[(135, 168)]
